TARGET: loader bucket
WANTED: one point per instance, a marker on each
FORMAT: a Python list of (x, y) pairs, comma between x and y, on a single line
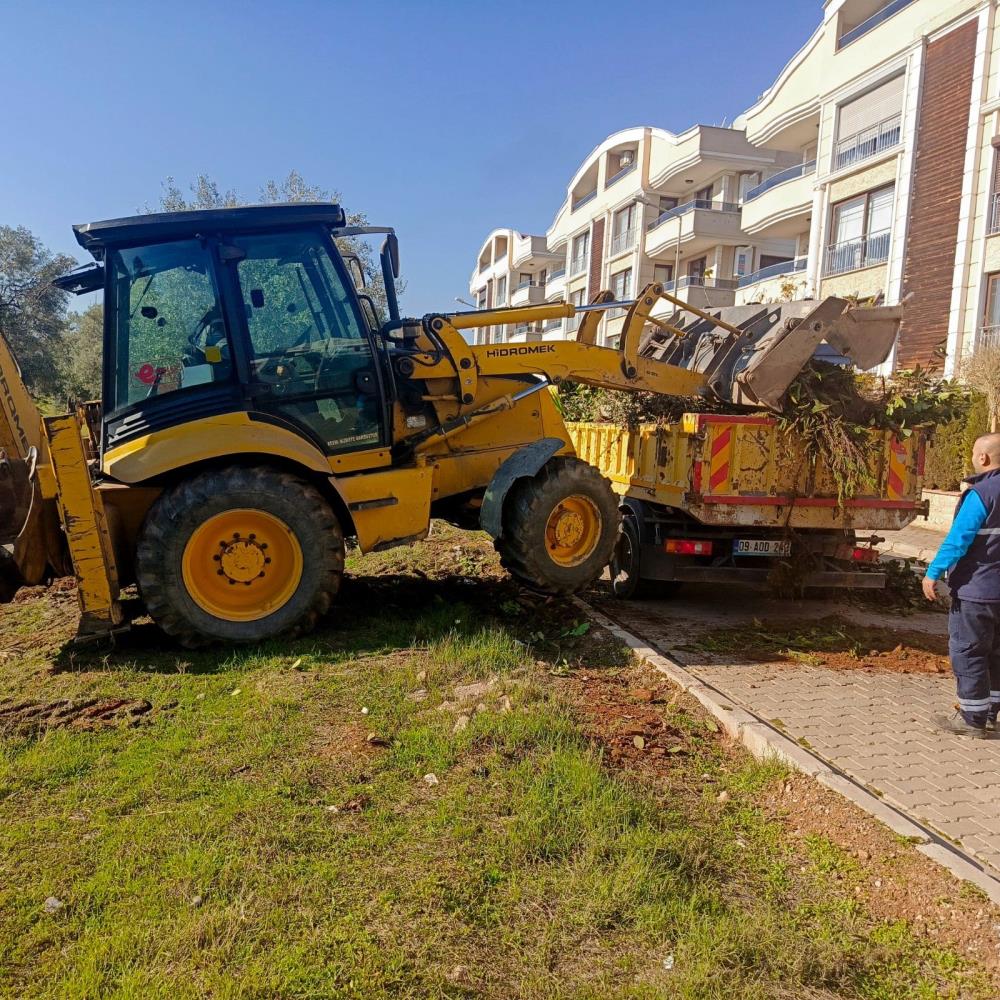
[(863, 336), (16, 491), (751, 354)]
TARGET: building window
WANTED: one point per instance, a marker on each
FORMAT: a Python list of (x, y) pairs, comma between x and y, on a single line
[(667, 202), (748, 181), (481, 301), (623, 229), (502, 290), (696, 271), (581, 253), (664, 274), (704, 194), (989, 332), (861, 229), (576, 299), (869, 124)]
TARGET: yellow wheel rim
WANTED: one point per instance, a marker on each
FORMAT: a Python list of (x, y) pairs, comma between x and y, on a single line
[(573, 530), (242, 565)]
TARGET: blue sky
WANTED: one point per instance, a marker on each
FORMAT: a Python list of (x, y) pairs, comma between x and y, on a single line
[(442, 119)]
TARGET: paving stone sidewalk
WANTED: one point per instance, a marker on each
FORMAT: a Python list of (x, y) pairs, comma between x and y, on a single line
[(914, 542), (874, 727)]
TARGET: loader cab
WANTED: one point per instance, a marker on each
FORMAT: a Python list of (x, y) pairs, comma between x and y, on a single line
[(250, 310)]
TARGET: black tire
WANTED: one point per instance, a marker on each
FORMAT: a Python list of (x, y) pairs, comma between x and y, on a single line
[(10, 577), (181, 510), (626, 582), (523, 546)]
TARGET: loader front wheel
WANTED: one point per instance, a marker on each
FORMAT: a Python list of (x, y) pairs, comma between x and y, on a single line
[(559, 527), (239, 555)]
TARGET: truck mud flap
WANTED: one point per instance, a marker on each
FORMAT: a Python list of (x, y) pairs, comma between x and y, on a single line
[(525, 462)]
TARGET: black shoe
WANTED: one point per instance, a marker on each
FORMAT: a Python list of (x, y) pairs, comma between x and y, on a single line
[(991, 725), (957, 726)]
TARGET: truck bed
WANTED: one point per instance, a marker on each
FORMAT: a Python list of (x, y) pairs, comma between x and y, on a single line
[(747, 471)]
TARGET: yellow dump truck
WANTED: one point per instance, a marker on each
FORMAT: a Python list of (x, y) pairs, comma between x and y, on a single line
[(717, 498)]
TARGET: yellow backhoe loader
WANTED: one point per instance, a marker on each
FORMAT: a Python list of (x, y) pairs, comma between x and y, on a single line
[(255, 412)]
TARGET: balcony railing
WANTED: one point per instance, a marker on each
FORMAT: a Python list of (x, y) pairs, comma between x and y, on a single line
[(799, 170), (557, 274), (698, 281), (552, 324), (583, 201), (893, 7), (578, 265), (621, 173), (530, 283), (772, 271), (864, 145), (690, 206), (623, 241), (851, 255), (994, 214), (988, 336)]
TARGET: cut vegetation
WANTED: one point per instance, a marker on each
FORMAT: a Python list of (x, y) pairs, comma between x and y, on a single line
[(450, 790)]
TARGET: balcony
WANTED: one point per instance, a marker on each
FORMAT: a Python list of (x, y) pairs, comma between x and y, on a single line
[(773, 271), (852, 255), (614, 178), (578, 265), (993, 226), (778, 207), (871, 142), (893, 7), (699, 291), (583, 199), (799, 170), (987, 337), (556, 283), (528, 293), (623, 241), (694, 226)]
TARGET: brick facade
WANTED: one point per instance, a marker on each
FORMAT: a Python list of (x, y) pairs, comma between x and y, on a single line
[(939, 161)]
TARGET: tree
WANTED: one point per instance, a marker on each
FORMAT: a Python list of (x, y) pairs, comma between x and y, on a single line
[(981, 370), (32, 309), (205, 193), (79, 363)]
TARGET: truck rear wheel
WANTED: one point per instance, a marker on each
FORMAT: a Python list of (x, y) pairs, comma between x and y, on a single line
[(559, 527), (627, 582), (239, 555)]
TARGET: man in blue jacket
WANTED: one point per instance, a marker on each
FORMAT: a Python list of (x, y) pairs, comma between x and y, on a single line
[(971, 557)]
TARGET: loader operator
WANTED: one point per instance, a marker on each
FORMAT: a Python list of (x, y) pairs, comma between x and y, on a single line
[(971, 557)]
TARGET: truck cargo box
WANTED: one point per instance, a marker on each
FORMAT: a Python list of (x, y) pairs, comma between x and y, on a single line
[(746, 470)]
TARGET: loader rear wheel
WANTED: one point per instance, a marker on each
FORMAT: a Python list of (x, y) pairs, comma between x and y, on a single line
[(239, 555), (559, 527)]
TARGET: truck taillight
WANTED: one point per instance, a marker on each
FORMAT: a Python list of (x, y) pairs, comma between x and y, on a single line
[(687, 547), (865, 555)]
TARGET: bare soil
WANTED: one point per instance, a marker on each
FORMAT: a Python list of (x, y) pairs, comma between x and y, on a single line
[(884, 871)]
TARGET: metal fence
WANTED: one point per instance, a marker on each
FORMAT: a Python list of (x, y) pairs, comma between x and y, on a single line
[(772, 271), (854, 254), (690, 206), (623, 241), (893, 7), (868, 143)]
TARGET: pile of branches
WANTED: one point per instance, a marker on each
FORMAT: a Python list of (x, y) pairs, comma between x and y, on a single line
[(830, 408)]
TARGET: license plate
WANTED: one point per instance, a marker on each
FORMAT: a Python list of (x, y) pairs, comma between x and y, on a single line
[(761, 547)]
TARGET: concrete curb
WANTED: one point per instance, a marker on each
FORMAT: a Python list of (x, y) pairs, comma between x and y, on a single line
[(766, 742)]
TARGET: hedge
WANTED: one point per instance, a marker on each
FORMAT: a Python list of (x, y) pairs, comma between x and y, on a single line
[(951, 447)]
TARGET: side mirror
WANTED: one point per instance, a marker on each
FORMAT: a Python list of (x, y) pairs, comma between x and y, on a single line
[(356, 271), (392, 245)]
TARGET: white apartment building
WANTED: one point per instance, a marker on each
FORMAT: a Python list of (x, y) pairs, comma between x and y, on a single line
[(645, 205), (868, 168), (891, 112)]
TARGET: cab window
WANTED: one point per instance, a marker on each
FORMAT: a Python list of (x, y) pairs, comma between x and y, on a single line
[(168, 332), (310, 355)]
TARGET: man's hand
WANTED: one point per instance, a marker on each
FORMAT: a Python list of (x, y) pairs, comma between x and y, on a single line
[(929, 586)]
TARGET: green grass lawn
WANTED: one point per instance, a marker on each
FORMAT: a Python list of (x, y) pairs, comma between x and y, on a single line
[(330, 817)]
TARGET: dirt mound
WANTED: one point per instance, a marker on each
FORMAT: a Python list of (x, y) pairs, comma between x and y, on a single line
[(27, 717)]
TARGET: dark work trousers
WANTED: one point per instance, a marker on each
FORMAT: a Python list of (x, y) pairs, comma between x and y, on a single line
[(974, 645)]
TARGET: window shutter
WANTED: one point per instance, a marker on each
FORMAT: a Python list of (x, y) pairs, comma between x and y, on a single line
[(885, 101)]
